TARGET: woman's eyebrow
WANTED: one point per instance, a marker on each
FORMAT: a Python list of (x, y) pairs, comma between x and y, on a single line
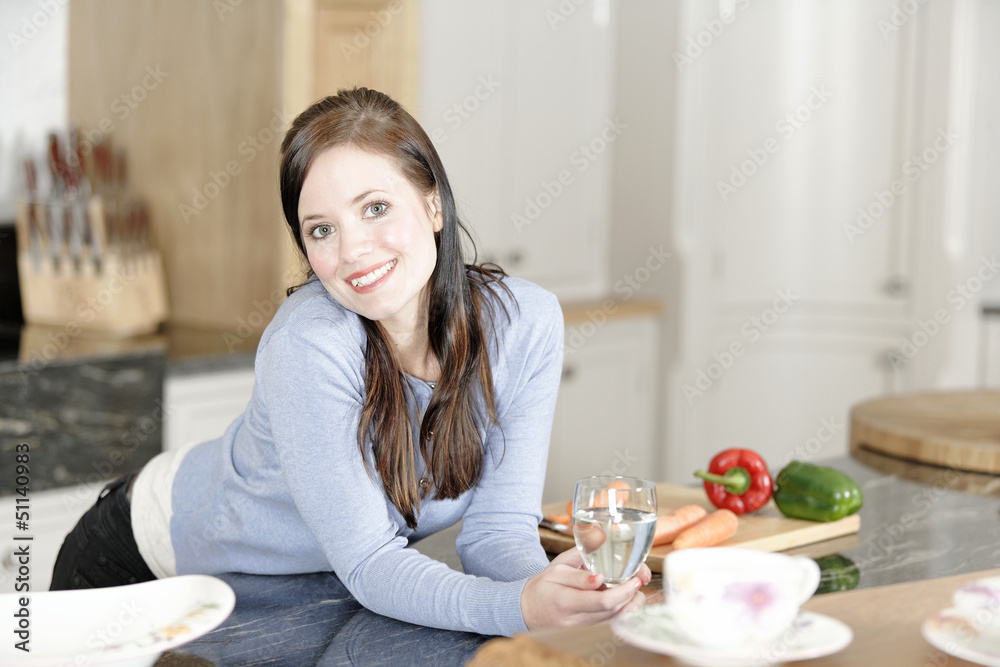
[(361, 196), (356, 200)]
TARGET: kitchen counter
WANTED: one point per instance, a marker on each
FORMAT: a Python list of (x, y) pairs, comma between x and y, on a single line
[(917, 523), (190, 350), (187, 349)]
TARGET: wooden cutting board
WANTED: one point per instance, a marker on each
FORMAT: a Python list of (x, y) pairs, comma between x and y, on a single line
[(767, 529), (959, 429)]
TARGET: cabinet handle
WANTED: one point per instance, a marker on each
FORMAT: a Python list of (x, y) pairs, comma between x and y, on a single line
[(892, 360), (896, 287), (7, 563), (568, 373)]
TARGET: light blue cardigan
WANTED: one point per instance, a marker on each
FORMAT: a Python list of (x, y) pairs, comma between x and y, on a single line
[(285, 489)]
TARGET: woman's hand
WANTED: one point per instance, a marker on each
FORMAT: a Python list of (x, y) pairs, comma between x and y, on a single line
[(565, 594)]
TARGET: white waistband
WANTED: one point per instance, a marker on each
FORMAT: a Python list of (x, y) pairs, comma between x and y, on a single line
[(152, 510)]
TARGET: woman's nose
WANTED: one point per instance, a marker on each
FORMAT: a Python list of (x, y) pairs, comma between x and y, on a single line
[(354, 245)]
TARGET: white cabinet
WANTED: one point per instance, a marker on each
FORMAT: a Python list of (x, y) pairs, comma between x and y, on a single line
[(518, 100), (201, 406), (52, 514), (819, 258), (604, 416)]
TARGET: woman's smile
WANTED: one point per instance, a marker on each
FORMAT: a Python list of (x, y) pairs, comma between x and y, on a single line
[(364, 282)]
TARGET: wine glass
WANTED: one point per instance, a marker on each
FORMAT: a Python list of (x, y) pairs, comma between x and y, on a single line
[(614, 519)]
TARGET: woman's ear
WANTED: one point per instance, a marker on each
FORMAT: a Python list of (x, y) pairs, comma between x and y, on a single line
[(434, 206)]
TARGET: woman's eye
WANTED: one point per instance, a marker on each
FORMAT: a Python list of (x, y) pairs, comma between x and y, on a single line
[(321, 231), (376, 210)]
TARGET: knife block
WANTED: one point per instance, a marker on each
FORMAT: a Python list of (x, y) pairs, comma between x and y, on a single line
[(122, 294)]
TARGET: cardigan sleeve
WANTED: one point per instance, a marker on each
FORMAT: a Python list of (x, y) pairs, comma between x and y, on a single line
[(499, 537)]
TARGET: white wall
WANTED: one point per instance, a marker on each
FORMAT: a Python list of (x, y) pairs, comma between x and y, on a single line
[(34, 85)]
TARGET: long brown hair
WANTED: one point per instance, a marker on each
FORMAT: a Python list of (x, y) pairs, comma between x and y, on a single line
[(462, 307)]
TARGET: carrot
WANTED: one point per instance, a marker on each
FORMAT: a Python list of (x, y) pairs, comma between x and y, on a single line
[(558, 518), (622, 488), (669, 526), (604, 498), (717, 527), (569, 508)]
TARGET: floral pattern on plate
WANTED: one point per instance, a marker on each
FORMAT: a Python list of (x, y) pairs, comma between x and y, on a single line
[(966, 634)]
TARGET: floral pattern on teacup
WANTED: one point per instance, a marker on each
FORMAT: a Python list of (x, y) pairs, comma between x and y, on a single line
[(756, 597)]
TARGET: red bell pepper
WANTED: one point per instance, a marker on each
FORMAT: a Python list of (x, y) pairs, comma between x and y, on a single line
[(737, 480)]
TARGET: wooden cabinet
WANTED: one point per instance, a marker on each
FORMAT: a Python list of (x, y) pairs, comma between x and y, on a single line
[(520, 106), (604, 422), (52, 515), (199, 95)]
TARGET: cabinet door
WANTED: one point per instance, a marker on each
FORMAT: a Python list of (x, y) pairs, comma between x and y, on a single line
[(367, 43), (562, 130), (464, 94), (603, 422), (787, 397), (200, 407), (520, 109)]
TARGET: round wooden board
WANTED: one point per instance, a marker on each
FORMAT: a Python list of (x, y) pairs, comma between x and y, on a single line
[(959, 429)]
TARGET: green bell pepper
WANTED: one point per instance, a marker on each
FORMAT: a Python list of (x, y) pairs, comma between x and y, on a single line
[(816, 493), (837, 573)]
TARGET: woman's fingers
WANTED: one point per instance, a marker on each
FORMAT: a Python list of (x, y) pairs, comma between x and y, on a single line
[(566, 594), (607, 601), (637, 602), (570, 557)]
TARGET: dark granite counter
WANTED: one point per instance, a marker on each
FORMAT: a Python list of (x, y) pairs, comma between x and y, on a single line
[(90, 406), (917, 522), (90, 409)]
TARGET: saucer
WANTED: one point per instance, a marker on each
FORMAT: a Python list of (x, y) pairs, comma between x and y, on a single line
[(811, 635), (964, 634)]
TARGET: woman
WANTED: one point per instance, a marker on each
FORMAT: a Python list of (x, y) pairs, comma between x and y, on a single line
[(397, 391)]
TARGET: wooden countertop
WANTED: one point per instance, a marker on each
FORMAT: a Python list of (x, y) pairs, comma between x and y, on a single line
[(578, 312), (885, 620)]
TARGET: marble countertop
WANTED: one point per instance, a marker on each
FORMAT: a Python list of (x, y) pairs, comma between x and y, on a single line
[(917, 522)]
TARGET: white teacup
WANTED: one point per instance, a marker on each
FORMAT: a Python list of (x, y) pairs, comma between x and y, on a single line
[(980, 599), (725, 597)]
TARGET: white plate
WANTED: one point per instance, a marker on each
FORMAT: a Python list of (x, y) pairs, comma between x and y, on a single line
[(810, 636), (122, 625), (964, 634)]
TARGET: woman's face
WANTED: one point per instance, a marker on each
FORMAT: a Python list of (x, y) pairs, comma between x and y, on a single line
[(369, 235)]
